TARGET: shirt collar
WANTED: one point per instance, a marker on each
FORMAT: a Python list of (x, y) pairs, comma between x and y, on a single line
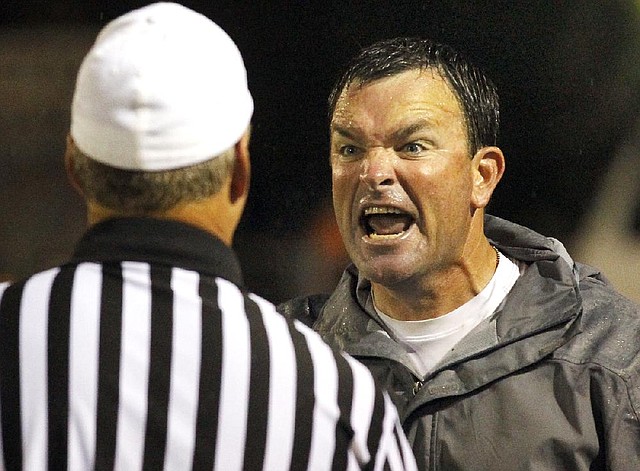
[(160, 241)]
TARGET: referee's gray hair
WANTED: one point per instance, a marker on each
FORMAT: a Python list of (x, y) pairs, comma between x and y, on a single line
[(136, 192)]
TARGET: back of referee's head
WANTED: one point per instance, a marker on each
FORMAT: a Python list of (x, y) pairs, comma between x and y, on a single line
[(160, 121)]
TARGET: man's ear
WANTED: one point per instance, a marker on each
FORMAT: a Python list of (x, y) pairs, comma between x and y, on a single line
[(69, 163), (241, 174), (488, 168)]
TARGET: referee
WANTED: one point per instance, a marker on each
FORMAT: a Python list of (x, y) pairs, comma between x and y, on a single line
[(144, 351)]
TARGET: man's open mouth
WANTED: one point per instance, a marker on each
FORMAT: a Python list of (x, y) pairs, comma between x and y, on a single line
[(385, 222)]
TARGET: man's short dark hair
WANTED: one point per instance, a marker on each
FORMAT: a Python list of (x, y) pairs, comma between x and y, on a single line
[(475, 92)]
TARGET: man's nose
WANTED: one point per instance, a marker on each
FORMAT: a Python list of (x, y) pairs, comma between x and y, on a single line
[(378, 168)]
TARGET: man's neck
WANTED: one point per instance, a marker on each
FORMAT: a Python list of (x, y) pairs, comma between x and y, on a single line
[(436, 294)]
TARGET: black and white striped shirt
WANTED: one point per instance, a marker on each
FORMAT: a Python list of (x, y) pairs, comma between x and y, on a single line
[(144, 353)]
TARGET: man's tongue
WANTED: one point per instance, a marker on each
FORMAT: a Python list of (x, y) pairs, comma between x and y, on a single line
[(387, 224)]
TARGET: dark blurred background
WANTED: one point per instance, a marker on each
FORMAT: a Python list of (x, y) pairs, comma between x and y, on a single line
[(568, 73)]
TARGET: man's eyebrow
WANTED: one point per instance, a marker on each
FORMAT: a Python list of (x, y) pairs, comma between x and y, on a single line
[(344, 132), (412, 128), (399, 134)]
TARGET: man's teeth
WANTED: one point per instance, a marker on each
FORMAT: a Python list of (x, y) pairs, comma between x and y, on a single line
[(374, 235), (381, 210)]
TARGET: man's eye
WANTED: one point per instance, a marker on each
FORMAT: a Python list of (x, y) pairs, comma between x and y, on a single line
[(413, 148), (349, 151)]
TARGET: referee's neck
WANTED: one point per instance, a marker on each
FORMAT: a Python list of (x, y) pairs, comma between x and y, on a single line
[(211, 214)]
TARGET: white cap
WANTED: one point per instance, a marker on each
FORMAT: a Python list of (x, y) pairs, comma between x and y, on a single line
[(162, 87)]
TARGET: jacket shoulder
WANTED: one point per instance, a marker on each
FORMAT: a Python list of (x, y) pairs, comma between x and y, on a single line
[(610, 325), (305, 309)]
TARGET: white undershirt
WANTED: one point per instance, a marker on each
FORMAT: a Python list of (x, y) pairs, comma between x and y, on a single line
[(428, 341)]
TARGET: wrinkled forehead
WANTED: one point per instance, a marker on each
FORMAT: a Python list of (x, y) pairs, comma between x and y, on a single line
[(412, 91), (361, 79), (357, 84)]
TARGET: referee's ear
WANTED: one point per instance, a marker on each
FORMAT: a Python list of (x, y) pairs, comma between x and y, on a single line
[(68, 165), (241, 174)]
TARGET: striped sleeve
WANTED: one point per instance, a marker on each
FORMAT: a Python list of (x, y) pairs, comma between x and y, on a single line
[(377, 425), (394, 452), (326, 412), (364, 396), (299, 401), (282, 389), (378, 439)]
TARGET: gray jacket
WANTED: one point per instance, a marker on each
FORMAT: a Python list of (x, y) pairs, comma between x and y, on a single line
[(551, 381)]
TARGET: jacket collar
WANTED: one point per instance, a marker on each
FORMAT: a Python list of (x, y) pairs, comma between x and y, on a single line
[(158, 241), (536, 318), (522, 243)]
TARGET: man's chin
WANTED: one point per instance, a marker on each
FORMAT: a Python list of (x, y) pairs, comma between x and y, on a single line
[(385, 274)]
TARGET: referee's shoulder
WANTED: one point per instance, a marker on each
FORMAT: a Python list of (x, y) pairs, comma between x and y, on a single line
[(12, 287), (13, 284)]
